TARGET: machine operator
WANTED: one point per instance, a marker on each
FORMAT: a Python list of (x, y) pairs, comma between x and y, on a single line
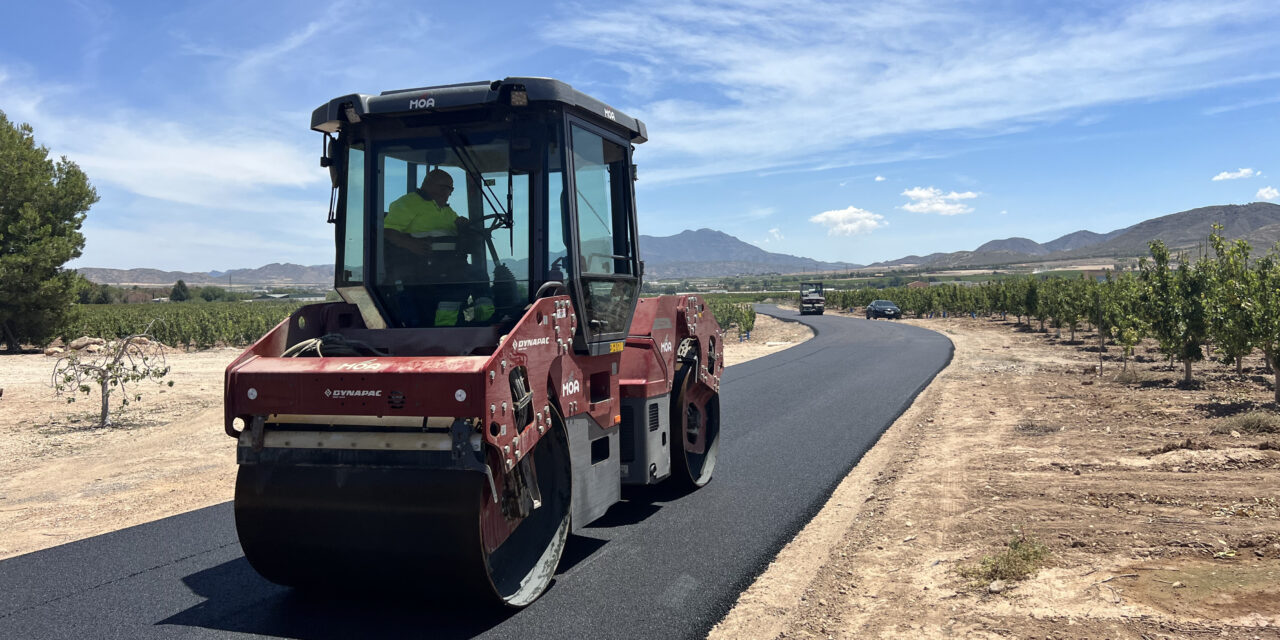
[(424, 230), (420, 218)]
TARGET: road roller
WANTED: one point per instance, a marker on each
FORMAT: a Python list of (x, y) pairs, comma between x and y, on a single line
[(490, 377)]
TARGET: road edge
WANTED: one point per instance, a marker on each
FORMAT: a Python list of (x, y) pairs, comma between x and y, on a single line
[(765, 608)]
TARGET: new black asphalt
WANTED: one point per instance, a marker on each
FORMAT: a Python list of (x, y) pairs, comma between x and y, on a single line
[(658, 565)]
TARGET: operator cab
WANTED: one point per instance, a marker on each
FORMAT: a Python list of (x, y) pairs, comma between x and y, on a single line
[(542, 179)]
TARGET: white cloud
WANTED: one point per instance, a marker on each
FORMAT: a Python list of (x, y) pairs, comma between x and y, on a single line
[(229, 164), (1247, 104), (933, 200), (880, 178), (167, 162), (775, 235), (1235, 175), (850, 221), (1268, 193), (905, 68), (203, 245), (242, 191)]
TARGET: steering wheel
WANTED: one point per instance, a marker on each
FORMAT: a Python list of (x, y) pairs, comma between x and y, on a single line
[(608, 257), (549, 289)]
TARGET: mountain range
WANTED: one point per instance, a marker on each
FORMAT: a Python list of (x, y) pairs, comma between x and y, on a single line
[(1258, 223), (272, 275), (689, 254), (710, 253)]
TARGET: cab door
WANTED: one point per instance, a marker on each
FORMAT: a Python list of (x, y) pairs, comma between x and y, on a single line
[(608, 279)]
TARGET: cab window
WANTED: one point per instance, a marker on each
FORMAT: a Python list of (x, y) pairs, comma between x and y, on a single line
[(606, 250)]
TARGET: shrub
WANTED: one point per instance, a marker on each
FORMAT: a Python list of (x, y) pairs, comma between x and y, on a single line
[(1251, 422), (1021, 557)]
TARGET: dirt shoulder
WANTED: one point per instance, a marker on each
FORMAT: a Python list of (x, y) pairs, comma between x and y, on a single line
[(62, 479), (1154, 525)]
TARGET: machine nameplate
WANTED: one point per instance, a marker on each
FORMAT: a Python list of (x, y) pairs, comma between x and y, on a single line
[(353, 393)]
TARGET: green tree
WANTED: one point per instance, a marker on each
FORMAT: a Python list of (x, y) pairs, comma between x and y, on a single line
[(1074, 302), (1230, 300), (42, 205), (1267, 316), (1031, 304), (180, 292), (1174, 302), (1012, 298), (214, 294), (84, 289), (1123, 313)]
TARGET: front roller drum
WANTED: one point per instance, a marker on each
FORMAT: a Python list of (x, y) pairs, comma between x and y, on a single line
[(414, 531)]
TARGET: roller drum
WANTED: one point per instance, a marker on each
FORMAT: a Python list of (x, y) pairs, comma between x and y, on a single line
[(402, 529)]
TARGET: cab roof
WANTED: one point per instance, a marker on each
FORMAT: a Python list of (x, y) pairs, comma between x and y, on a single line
[(329, 117)]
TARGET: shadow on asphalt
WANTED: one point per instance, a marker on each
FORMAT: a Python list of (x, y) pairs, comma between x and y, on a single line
[(577, 549), (239, 600), (637, 505)]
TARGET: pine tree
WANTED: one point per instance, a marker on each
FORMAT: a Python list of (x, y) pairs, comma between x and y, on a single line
[(180, 292), (42, 205)]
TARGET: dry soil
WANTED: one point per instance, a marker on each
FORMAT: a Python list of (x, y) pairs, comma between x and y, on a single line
[(1159, 520)]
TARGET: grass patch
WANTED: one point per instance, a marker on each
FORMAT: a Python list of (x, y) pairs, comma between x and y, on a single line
[(1252, 422), (1021, 557), (1133, 375), (1036, 428), (1188, 445)]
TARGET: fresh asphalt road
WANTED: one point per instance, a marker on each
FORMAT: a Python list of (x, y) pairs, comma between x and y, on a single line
[(656, 566)]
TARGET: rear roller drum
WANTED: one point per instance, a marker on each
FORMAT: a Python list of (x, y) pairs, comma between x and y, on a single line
[(695, 423)]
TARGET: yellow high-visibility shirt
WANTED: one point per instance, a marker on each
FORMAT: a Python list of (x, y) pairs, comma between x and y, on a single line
[(413, 214)]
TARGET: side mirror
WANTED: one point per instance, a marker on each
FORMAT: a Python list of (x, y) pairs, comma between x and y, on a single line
[(335, 172)]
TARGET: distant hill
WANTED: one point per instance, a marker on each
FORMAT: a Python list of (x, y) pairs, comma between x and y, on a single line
[(689, 254), (1013, 245), (1078, 240), (274, 274), (1257, 223), (1189, 228), (710, 253)]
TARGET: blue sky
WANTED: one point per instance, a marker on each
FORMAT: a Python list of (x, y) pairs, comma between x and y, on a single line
[(850, 132)]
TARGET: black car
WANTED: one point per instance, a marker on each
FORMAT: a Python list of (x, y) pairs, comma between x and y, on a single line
[(883, 309)]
